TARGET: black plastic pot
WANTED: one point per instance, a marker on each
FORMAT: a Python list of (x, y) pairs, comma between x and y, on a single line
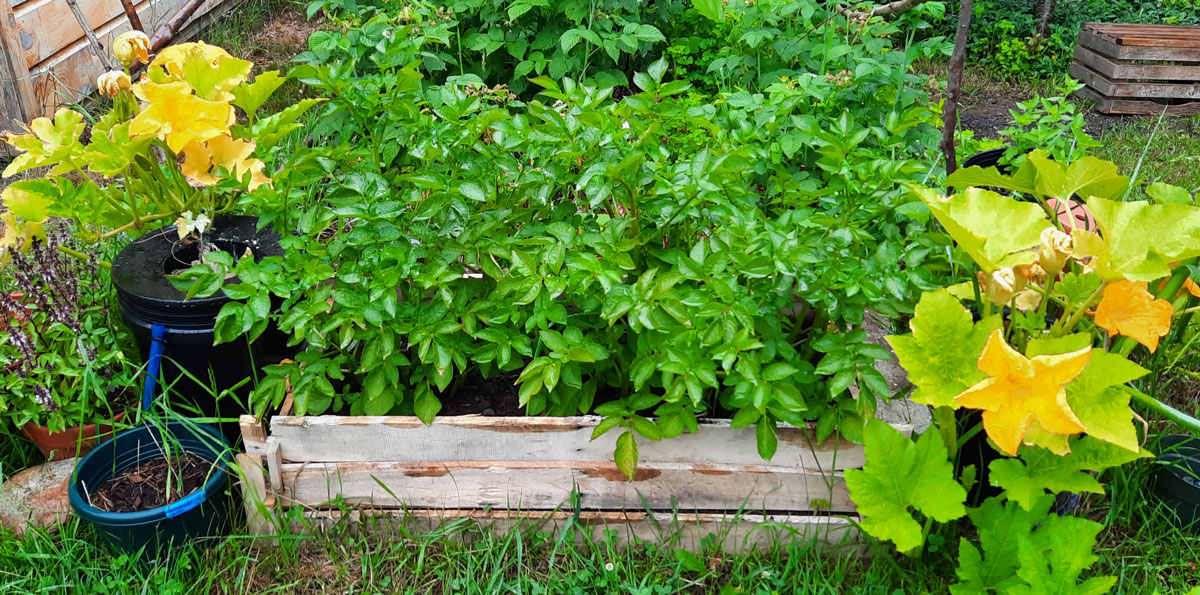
[(985, 159), (204, 513), (1177, 480), (147, 298)]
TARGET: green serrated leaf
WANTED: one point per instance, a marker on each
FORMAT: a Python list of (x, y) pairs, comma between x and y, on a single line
[(941, 355), (1026, 480), (996, 230), (626, 454), (900, 476)]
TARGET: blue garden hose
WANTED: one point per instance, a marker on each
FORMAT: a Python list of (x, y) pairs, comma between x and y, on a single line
[(157, 333)]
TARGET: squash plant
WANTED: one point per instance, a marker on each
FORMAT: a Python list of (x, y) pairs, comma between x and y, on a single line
[(652, 260), (1044, 345)]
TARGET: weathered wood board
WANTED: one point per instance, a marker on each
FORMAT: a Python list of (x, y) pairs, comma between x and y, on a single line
[(1139, 69), (532, 467), (47, 61)]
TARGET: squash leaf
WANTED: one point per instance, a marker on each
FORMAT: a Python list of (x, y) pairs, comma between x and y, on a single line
[(996, 230), (1145, 239)]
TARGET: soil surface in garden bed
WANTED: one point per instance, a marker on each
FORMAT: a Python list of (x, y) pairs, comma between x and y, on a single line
[(146, 486)]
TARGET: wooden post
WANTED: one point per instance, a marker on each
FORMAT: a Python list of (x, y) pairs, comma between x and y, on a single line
[(16, 89), (954, 84)]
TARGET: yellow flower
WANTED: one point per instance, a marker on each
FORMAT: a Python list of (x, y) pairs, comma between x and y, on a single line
[(1129, 309), (201, 160), (1056, 248), (177, 116), (1003, 284), (113, 82), (1021, 390), (130, 47)]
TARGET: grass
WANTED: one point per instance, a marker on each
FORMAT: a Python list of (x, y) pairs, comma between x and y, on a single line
[(1173, 157)]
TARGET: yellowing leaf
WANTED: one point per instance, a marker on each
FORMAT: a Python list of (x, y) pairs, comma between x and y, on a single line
[(940, 355), (251, 96), (48, 142), (1127, 308), (1085, 177), (1020, 390), (1144, 239), (997, 231), (208, 69), (177, 116), (1090, 247)]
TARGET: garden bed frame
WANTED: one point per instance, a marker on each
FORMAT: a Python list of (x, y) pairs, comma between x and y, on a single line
[(548, 472)]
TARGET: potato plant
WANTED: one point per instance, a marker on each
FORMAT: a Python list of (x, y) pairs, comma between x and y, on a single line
[(652, 259)]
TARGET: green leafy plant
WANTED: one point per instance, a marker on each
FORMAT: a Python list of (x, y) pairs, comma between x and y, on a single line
[(1039, 361), (62, 351), (1052, 124), (652, 259)]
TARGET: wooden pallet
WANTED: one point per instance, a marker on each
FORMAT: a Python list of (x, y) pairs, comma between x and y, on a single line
[(1139, 69), (502, 471), (45, 59)]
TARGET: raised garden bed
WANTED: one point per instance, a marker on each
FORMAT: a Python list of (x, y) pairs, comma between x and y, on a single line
[(503, 470)]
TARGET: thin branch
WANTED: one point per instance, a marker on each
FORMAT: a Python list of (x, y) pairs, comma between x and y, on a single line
[(891, 8), (135, 21), (97, 49), (954, 85)]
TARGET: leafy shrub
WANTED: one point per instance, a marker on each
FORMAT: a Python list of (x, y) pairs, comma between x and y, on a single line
[(666, 254)]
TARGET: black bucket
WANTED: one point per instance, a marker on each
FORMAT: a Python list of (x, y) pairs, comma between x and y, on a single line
[(1177, 479), (147, 298), (986, 159), (204, 513)]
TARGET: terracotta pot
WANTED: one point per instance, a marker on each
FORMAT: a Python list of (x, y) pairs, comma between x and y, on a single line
[(56, 446)]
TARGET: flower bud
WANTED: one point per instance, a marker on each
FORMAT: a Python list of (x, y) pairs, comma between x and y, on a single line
[(130, 47), (1056, 248), (113, 82), (1003, 284)]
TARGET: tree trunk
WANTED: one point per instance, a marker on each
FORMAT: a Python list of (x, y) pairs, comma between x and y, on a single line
[(954, 84), (1044, 21)]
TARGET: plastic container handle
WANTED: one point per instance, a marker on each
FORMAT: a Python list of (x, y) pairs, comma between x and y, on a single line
[(185, 504), (157, 333)]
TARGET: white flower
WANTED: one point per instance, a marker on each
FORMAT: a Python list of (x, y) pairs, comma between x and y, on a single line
[(608, 566), (187, 223)]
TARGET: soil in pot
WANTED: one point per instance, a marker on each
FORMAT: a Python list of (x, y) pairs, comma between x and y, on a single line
[(154, 483)]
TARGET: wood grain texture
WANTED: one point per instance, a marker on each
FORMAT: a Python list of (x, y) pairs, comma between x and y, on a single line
[(1137, 107), (254, 495), (1117, 89), (1108, 46), (735, 533), (335, 439), (1145, 35), (1114, 69), (533, 485), (53, 47), (16, 89)]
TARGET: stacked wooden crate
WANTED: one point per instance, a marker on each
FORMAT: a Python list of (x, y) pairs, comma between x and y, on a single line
[(45, 59), (1139, 69)]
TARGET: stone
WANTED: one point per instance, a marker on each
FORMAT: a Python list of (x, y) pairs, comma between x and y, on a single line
[(37, 497), (900, 409)]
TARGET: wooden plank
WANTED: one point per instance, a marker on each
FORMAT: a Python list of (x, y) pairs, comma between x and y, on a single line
[(70, 74), (1132, 72), (254, 495), (1108, 47), (16, 88), (48, 26), (538, 485), (1110, 88), (1137, 107), (337, 439), (681, 530)]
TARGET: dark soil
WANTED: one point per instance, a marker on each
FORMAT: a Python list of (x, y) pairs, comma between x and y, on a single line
[(987, 113), (145, 486), (495, 396)]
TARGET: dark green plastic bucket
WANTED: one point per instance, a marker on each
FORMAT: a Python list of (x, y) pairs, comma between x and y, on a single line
[(1177, 480), (204, 513)]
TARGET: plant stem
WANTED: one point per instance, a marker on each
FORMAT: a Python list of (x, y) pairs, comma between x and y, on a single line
[(1070, 323), (81, 256), (1188, 422)]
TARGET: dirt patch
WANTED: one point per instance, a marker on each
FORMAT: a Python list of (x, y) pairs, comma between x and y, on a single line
[(496, 396), (282, 38), (155, 483), (988, 112)]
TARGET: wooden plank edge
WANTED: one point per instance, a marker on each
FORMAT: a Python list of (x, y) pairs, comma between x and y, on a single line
[(735, 533), (257, 504), (1111, 50), (1133, 90), (1133, 107)]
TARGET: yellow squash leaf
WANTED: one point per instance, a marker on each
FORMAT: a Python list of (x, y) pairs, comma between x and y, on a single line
[(1021, 390), (210, 70), (177, 116), (1128, 308), (202, 159)]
